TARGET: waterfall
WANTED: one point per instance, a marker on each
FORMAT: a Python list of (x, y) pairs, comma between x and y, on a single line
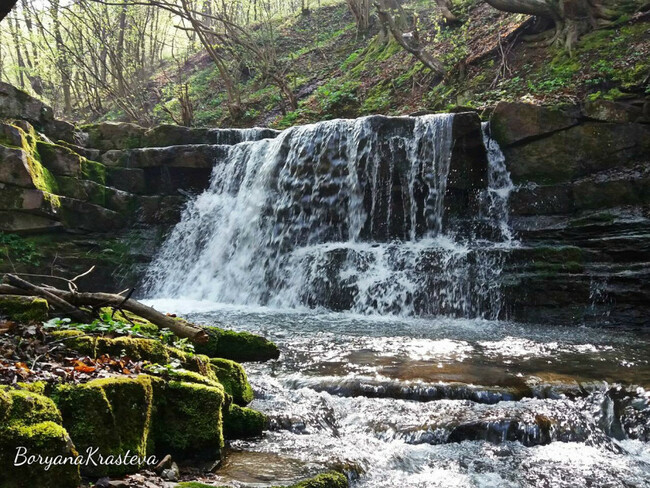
[(343, 214)]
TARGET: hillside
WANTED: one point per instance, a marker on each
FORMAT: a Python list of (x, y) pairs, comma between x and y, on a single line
[(337, 74)]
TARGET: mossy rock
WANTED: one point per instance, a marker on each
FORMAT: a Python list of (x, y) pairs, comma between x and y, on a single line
[(136, 348), (189, 419), (32, 421), (23, 309), (26, 407), (112, 414), (333, 479), (241, 423), (234, 380), (44, 439), (76, 340), (237, 346)]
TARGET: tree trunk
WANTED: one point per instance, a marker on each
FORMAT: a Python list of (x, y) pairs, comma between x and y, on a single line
[(445, 9), (571, 18), (405, 32)]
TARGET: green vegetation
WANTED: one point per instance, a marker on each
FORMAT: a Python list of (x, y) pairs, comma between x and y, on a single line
[(108, 324), (17, 249)]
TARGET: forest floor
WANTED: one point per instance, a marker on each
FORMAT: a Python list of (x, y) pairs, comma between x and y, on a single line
[(336, 73)]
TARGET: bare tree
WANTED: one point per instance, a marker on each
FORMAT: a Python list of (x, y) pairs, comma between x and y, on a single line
[(404, 30), (361, 12)]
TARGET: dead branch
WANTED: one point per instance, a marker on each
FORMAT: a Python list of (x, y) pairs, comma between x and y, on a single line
[(68, 302), (58, 302)]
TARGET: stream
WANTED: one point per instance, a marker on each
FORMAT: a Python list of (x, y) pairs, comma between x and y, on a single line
[(441, 402), (371, 251)]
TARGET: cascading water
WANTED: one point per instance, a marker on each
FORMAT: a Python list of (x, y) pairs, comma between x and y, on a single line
[(345, 214), (371, 216)]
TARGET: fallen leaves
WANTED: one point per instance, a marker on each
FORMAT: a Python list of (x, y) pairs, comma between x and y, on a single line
[(25, 355)]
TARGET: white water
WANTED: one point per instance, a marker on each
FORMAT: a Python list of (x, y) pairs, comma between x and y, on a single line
[(395, 402), (310, 218)]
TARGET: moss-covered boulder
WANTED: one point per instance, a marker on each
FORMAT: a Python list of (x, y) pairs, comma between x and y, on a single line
[(189, 419), (234, 380), (241, 422), (237, 346), (23, 309), (332, 479), (30, 426), (113, 414), (136, 348)]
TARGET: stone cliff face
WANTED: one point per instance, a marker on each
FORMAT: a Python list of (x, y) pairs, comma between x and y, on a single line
[(106, 193), (101, 194), (581, 209)]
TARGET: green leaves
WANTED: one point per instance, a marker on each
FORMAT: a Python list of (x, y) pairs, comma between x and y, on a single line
[(15, 248), (106, 324)]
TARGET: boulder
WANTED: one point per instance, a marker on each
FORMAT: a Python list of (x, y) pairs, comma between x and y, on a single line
[(32, 421), (131, 180), (14, 169), (25, 223), (578, 152), (16, 104), (613, 111), (237, 346), (513, 122), (176, 135), (186, 156), (23, 308), (59, 160), (113, 415), (234, 380), (113, 135), (241, 423)]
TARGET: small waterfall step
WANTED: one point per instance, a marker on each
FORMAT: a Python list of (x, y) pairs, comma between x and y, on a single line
[(371, 387), (380, 214)]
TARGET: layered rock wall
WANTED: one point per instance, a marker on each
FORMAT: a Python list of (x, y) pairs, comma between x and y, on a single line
[(581, 209)]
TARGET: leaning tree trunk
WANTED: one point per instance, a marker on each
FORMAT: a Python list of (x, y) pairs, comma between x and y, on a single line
[(404, 30), (571, 18)]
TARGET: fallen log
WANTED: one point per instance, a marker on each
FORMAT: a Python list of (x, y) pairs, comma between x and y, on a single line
[(54, 300), (180, 327), (68, 301)]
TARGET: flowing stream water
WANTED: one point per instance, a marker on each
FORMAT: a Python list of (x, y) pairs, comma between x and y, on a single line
[(393, 366)]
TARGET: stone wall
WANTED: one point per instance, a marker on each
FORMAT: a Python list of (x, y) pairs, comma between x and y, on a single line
[(100, 194), (581, 210)]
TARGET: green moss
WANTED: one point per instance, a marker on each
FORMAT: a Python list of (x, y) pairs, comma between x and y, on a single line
[(112, 414), (237, 346), (189, 419), (23, 309), (241, 423), (32, 421), (26, 407), (332, 479), (45, 439), (133, 347), (76, 340), (234, 380), (93, 171)]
